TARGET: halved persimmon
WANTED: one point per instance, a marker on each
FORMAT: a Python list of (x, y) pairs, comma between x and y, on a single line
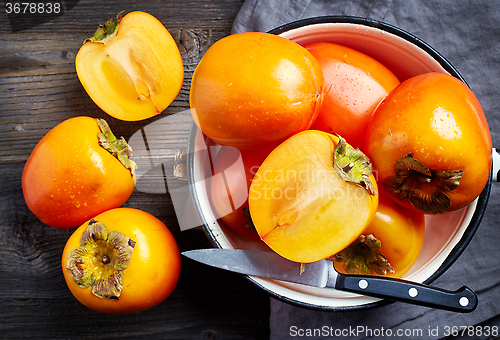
[(312, 196), (131, 68)]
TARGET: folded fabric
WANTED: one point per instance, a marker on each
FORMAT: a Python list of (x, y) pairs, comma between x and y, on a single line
[(467, 34)]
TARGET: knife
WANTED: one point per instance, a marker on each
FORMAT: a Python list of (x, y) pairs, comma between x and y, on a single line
[(323, 274)]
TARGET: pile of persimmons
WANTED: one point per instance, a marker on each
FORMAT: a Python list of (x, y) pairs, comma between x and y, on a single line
[(341, 159)]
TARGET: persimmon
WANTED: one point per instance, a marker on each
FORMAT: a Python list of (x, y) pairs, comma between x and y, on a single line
[(312, 196), (389, 246), (229, 186), (122, 261), (76, 171), (253, 89), (131, 68), (430, 144), (354, 85)]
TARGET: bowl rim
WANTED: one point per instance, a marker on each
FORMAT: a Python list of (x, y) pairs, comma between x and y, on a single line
[(482, 199), (334, 19)]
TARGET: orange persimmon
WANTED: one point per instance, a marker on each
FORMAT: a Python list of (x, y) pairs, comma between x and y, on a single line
[(131, 68), (430, 143), (122, 261), (354, 85), (397, 236), (76, 171), (312, 196), (233, 174), (252, 89)]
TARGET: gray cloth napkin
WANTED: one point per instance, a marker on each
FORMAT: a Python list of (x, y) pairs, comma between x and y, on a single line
[(467, 33)]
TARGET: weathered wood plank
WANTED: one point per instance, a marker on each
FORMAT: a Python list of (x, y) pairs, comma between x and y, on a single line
[(43, 88), (86, 15), (38, 89)]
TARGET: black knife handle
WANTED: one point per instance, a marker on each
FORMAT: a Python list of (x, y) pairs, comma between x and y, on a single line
[(462, 300)]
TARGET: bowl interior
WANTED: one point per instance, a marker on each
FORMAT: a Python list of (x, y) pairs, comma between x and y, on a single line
[(403, 59), (406, 56)]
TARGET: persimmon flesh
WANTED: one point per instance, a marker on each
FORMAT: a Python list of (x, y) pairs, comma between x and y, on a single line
[(306, 202), (132, 69)]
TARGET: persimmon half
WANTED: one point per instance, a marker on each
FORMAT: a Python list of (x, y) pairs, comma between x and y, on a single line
[(76, 171), (253, 89), (312, 196), (131, 68)]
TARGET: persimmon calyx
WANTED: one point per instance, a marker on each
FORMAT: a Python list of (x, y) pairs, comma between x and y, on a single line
[(352, 165), (100, 260), (107, 31), (363, 256), (425, 189), (119, 148)]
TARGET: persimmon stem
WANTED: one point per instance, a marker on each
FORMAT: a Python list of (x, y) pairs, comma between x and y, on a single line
[(352, 165), (106, 259), (107, 31)]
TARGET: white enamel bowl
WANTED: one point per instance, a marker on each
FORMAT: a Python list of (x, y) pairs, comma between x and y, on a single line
[(446, 235)]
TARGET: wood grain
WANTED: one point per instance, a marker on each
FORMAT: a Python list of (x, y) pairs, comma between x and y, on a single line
[(38, 89)]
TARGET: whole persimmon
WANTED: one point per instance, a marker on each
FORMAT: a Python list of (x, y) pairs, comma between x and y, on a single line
[(389, 246), (253, 89), (312, 196), (354, 85), (122, 261), (430, 144), (131, 68), (76, 171), (233, 174)]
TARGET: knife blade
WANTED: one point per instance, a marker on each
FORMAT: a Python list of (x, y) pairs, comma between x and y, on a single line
[(323, 274)]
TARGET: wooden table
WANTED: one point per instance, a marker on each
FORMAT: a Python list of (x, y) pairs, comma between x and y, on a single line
[(39, 88)]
